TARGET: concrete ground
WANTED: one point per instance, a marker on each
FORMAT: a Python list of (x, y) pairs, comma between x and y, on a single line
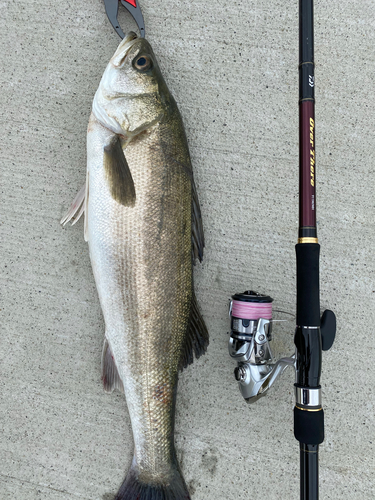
[(233, 70)]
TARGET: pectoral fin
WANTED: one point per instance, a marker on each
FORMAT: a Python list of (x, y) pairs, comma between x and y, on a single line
[(196, 337), (118, 174)]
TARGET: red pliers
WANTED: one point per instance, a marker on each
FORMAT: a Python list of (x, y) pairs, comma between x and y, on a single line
[(111, 8)]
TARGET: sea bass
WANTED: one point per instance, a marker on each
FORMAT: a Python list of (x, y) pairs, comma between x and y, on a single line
[(144, 230)]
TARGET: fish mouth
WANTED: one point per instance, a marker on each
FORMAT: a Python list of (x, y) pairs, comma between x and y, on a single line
[(123, 49)]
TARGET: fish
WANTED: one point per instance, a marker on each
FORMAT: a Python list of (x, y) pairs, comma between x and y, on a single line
[(143, 225)]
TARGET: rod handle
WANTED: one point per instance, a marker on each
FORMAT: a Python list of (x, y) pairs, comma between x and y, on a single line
[(309, 425), (308, 308)]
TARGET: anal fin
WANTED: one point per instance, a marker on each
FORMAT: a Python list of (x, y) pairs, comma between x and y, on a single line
[(110, 376), (197, 336)]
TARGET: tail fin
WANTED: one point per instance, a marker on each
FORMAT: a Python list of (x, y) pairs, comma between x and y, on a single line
[(133, 488)]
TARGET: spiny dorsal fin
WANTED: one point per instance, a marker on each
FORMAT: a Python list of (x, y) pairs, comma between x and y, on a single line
[(118, 174), (196, 226), (196, 337), (111, 378)]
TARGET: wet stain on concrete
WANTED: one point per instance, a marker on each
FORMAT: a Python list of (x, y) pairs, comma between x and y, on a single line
[(192, 487), (109, 496), (209, 461)]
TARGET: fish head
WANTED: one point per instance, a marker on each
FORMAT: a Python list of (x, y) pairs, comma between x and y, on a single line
[(132, 95)]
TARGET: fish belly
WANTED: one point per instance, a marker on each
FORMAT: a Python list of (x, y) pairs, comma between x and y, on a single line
[(142, 263)]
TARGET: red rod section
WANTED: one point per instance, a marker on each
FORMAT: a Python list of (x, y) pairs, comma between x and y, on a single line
[(307, 205), (307, 160)]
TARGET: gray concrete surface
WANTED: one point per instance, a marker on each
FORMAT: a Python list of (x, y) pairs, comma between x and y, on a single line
[(233, 70)]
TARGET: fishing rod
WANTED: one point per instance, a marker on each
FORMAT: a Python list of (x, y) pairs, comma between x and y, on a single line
[(251, 313)]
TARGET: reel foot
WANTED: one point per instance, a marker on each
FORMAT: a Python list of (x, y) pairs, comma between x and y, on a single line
[(328, 329)]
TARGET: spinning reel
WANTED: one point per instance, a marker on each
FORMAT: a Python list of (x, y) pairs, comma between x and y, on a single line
[(249, 345)]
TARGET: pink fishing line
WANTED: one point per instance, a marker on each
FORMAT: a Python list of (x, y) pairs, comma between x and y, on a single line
[(251, 310)]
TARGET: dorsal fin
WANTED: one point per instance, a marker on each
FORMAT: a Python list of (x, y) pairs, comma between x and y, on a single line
[(196, 225), (196, 337)]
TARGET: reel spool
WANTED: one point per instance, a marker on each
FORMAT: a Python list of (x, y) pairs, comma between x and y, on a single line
[(249, 344)]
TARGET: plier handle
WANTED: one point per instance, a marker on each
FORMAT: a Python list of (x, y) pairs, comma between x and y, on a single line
[(111, 8)]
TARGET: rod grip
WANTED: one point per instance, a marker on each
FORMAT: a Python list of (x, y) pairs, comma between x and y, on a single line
[(309, 426), (308, 302)]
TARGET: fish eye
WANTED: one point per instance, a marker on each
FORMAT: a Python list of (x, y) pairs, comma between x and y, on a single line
[(142, 63)]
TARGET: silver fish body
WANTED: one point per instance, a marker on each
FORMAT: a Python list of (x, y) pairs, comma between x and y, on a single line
[(143, 226)]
